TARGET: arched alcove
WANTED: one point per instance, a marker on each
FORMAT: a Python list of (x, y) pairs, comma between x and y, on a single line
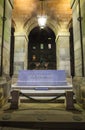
[(41, 49)]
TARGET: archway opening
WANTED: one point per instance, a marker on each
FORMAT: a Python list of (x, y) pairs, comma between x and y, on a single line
[(41, 49)]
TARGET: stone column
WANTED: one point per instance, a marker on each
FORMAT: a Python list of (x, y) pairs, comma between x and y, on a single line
[(82, 6), (1, 24), (20, 52), (76, 6), (8, 6), (63, 52), (5, 31)]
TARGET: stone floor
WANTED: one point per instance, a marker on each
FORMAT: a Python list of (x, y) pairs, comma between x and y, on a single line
[(42, 116)]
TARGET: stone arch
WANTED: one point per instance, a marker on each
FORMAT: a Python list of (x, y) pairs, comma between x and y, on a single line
[(32, 23)]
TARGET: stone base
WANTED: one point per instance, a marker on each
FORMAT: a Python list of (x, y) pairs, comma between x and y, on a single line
[(15, 99), (5, 85), (79, 90), (69, 100)]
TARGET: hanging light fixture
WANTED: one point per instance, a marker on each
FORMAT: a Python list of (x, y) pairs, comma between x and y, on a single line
[(42, 18)]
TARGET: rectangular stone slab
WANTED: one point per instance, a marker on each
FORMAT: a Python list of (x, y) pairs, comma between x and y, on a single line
[(42, 78)]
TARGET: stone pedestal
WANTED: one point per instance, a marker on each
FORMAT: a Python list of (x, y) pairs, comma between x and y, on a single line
[(15, 99), (5, 85), (79, 90), (69, 100)]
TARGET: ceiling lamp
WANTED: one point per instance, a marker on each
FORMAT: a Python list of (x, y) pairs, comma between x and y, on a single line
[(42, 18), (42, 21)]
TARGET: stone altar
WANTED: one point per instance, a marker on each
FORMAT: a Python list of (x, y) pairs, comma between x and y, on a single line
[(42, 83), (42, 80)]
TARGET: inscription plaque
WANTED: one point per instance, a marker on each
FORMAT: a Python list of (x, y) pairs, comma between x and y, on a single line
[(42, 78)]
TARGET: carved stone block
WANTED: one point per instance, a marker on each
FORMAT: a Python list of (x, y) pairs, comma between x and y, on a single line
[(15, 99), (69, 100)]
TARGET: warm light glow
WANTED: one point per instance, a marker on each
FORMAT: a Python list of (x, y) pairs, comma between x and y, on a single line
[(42, 21)]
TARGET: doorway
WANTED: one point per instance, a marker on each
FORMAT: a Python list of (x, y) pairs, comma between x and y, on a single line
[(41, 49)]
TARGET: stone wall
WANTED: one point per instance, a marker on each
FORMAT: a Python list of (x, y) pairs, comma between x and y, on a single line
[(20, 53), (78, 12), (77, 42), (7, 33), (79, 35), (63, 53), (5, 28)]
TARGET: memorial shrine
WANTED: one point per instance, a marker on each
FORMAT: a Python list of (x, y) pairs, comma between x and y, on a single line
[(42, 83), (42, 64), (41, 78)]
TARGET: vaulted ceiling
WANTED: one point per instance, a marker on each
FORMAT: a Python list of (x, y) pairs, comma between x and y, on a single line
[(57, 10)]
